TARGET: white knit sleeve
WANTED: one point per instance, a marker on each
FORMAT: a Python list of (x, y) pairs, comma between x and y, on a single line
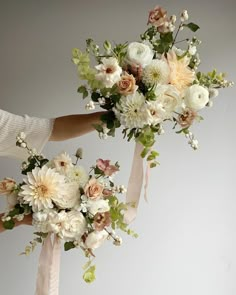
[(37, 130)]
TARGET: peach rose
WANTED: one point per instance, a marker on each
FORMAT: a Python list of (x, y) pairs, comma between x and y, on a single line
[(127, 84), (7, 186), (93, 189)]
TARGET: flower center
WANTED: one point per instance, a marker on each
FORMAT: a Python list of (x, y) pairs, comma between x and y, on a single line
[(42, 190), (109, 70)]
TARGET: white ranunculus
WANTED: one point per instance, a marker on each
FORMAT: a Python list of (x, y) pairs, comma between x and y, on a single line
[(98, 206), (95, 239), (69, 226), (196, 97), (109, 71), (168, 97), (139, 54)]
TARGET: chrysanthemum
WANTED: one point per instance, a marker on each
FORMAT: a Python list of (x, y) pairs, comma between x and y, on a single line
[(181, 76), (130, 111), (157, 72), (42, 187), (79, 175), (109, 71)]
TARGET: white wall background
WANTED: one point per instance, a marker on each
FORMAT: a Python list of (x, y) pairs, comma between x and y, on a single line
[(187, 242)]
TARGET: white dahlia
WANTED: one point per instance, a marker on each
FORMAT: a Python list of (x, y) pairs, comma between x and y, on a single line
[(109, 71), (157, 72), (69, 226), (42, 187), (79, 175), (70, 198), (130, 110)]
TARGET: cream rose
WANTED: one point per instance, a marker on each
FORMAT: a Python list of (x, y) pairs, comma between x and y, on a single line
[(93, 189), (127, 84), (196, 97), (139, 54), (96, 239)]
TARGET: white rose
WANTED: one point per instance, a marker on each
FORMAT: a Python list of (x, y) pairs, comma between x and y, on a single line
[(168, 97), (69, 226), (96, 239), (98, 206), (139, 54), (196, 97)]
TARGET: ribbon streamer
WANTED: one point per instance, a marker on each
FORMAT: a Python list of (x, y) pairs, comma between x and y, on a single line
[(134, 185), (49, 267)]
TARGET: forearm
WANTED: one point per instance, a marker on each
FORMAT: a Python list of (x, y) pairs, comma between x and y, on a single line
[(71, 126)]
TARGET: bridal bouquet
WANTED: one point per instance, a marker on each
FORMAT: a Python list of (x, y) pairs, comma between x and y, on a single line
[(80, 208), (145, 83)]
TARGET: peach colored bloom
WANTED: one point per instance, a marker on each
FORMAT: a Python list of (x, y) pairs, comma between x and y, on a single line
[(158, 18), (186, 119), (93, 189), (102, 220), (7, 186), (181, 76), (127, 84)]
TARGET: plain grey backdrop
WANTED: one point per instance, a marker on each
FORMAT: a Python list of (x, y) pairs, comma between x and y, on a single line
[(187, 231)]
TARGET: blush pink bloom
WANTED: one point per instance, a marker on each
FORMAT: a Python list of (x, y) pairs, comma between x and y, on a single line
[(107, 193), (93, 189), (7, 186), (186, 119), (104, 165), (101, 220), (158, 18)]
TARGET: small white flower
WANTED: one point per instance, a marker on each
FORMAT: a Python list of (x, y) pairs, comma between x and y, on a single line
[(213, 92), (173, 19), (192, 50), (161, 130), (23, 145), (101, 101), (157, 72), (184, 16), (90, 106), (196, 97), (62, 163), (117, 241), (109, 71)]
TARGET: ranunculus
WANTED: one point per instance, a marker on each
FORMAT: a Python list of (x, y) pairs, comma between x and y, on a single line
[(104, 165), (127, 84), (158, 18), (7, 186), (95, 239), (196, 97), (109, 71), (93, 189), (101, 220), (139, 54)]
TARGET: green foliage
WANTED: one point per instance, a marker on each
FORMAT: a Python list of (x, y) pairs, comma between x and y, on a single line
[(9, 224), (83, 90), (146, 137), (212, 79), (68, 246), (193, 27), (89, 275)]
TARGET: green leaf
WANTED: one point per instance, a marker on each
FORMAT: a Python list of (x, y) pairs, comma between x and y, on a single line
[(9, 224), (68, 246), (193, 27), (95, 96), (144, 152), (89, 275)]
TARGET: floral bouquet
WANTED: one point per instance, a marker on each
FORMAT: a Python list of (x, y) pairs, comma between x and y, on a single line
[(145, 83), (80, 208)]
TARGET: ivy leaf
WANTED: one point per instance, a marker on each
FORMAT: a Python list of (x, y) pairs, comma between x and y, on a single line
[(83, 90), (193, 27), (68, 246), (9, 224)]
